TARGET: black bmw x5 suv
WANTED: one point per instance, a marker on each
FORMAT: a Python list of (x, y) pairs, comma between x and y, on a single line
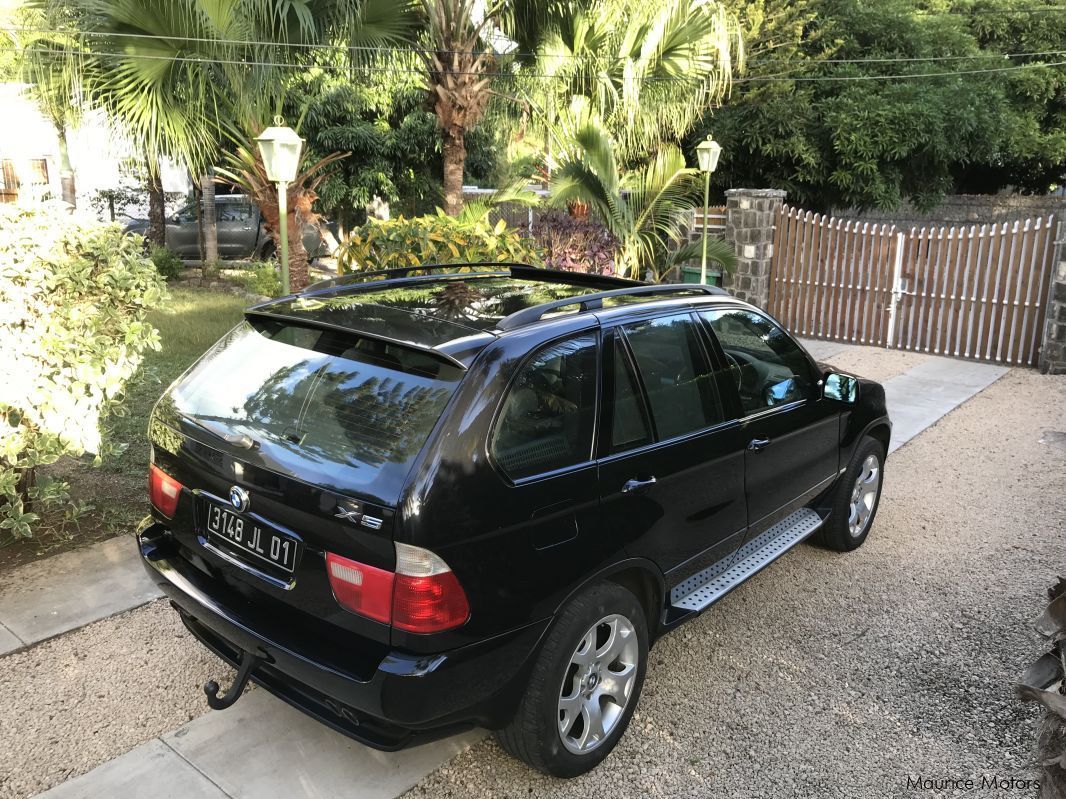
[(419, 503)]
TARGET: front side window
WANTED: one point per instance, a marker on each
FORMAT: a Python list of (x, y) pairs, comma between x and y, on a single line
[(547, 418), (676, 375), (767, 366)]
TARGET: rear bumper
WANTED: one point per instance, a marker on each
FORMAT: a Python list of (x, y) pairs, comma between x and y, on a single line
[(404, 700)]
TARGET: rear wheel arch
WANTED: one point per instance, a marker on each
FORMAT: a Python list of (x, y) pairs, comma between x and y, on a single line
[(641, 578)]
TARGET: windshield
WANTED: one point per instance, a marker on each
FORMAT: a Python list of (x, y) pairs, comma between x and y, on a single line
[(328, 406)]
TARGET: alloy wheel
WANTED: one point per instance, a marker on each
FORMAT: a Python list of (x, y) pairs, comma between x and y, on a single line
[(598, 684), (864, 495)]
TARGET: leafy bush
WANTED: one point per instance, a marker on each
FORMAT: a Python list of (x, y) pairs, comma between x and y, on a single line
[(434, 239), (73, 298), (166, 262), (578, 245), (260, 278)]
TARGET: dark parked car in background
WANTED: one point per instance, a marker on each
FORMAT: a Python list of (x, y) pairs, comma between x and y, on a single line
[(417, 504), (241, 232)]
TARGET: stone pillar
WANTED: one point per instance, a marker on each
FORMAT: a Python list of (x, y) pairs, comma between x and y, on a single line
[(750, 218), (1053, 351)]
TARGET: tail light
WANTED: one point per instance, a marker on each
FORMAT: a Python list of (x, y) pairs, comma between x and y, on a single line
[(163, 490), (427, 597), (362, 589), (423, 595)]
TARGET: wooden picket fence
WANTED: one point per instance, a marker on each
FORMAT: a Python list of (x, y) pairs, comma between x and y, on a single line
[(977, 291)]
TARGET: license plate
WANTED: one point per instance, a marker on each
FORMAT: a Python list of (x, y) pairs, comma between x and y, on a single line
[(250, 538)]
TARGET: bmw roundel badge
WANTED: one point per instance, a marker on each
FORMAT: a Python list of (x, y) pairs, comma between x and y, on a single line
[(239, 499)]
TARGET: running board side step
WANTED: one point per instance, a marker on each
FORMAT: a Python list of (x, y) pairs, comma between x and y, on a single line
[(708, 586)]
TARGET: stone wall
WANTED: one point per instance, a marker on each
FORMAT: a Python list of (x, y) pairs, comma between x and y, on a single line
[(968, 209), (1053, 352), (750, 218)]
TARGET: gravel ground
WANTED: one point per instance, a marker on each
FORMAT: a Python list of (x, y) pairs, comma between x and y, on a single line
[(76, 701), (843, 675), (876, 363)]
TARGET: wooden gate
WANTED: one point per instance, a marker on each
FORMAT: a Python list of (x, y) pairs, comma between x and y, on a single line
[(976, 292)]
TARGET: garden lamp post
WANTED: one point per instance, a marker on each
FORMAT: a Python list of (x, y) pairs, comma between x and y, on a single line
[(707, 152), (280, 147)]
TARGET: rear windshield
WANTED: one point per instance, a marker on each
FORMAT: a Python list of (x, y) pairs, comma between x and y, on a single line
[(332, 407)]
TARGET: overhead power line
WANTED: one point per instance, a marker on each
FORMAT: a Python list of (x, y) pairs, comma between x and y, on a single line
[(341, 48), (370, 68)]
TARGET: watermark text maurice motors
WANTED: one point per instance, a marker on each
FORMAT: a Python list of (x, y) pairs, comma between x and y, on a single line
[(986, 782)]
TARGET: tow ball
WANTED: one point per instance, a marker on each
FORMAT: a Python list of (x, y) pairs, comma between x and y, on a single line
[(248, 663)]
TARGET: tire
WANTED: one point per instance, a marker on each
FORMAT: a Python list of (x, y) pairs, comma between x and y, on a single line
[(605, 618), (855, 498)]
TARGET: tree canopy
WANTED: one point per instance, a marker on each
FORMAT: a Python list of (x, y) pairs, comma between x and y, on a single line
[(847, 103)]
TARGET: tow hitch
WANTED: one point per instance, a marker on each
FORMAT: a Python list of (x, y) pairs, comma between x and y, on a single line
[(248, 663)]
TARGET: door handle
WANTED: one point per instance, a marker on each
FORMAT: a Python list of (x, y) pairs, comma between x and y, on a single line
[(635, 486), (758, 444)]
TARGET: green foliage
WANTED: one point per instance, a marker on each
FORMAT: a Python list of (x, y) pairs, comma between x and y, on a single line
[(434, 239), (383, 122), (73, 302), (166, 262), (646, 210), (836, 134), (260, 278), (647, 69)]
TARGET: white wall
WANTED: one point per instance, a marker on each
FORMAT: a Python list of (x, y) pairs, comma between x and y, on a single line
[(97, 149)]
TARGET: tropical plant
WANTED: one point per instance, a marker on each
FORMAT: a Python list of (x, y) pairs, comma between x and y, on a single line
[(435, 239), (245, 171), (73, 329), (183, 77), (383, 121), (647, 70), (457, 63), (645, 209), (577, 245)]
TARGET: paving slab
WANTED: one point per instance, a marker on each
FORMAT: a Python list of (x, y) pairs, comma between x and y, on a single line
[(922, 395), (263, 748), (9, 642), (67, 591), (152, 769)]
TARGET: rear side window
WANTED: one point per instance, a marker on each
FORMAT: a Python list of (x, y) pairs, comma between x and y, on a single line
[(628, 423), (547, 418), (329, 396), (676, 375)]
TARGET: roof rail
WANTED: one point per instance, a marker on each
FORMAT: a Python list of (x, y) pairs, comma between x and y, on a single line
[(590, 302), (517, 270), (402, 272)]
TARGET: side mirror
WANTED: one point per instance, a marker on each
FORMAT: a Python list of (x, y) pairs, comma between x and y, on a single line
[(843, 388)]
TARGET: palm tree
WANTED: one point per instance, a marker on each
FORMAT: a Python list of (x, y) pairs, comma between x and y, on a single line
[(181, 75), (50, 64), (244, 169), (456, 64), (646, 209), (646, 69)]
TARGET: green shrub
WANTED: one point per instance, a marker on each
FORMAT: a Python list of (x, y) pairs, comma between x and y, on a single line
[(166, 262), (73, 300), (260, 278), (434, 239)]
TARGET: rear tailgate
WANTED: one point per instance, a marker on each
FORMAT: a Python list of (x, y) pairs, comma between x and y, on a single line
[(292, 441)]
